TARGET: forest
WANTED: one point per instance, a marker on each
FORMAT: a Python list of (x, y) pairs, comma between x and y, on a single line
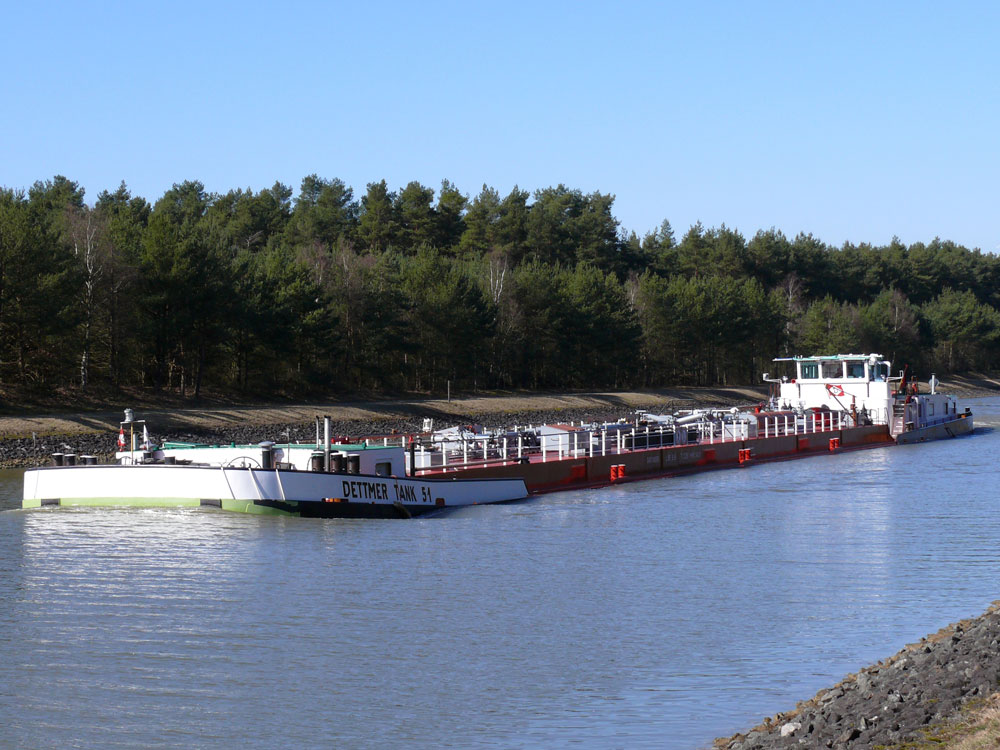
[(273, 294)]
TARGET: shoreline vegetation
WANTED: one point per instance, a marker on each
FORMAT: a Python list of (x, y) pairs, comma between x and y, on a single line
[(278, 294)]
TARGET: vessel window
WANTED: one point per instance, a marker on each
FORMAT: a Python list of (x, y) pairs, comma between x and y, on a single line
[(833, 370), (930, 410), (881, 372), (383, 468), (855, 369), (810, 370)]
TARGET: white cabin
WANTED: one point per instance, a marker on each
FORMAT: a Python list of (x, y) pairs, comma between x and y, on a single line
[(861, 385), (840, 382)]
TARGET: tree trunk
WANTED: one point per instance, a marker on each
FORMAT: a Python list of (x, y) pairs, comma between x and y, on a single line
[(85, 357), (198, 372), (113, 343)]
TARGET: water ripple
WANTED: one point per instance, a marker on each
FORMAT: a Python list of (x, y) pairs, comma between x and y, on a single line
[(656, 614)]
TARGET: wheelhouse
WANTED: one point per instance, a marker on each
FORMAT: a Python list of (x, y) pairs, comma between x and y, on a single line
[(867, 368)]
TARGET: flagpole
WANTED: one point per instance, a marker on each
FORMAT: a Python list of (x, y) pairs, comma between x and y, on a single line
[(833, 395)]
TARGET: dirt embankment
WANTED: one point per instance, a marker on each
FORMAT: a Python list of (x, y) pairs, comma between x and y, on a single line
[(493, 408), (28, 438), (444, 412)]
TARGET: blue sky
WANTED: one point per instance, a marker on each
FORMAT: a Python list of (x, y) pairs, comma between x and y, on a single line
[(851, 120)]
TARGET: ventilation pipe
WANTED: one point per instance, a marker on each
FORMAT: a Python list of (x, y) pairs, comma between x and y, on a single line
[(326, 443)]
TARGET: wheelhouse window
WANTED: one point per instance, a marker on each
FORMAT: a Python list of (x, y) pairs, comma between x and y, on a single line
[(855, 369), (383, 468), (810, 370), (833, 370)]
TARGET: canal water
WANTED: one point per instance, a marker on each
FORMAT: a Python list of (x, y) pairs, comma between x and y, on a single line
[(658, 614)]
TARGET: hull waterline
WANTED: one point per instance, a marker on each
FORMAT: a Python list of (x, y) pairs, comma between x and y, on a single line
[(950, 429), (258, 491)]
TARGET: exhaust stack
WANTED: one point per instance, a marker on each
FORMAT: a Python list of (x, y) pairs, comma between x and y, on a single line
[(326, 443)]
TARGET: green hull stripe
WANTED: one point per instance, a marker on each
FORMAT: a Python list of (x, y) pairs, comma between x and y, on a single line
[(246, 506), (238, 506), (128, 502)]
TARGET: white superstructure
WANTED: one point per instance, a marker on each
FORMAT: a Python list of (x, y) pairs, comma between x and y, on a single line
[(840, 382), (380, 460), (862, 385)]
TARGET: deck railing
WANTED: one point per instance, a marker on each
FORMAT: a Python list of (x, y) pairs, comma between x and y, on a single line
[(609, 440)]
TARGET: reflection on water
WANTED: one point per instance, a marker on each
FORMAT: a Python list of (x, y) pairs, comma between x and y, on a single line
[(657, 614)]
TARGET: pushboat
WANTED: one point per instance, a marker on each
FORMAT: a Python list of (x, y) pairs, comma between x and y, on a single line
[(826, 404), (862, 386)]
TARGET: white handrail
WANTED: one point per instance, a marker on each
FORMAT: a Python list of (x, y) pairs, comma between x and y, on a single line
[(256, 484), (709, 430), (281, 489), (224, 476)]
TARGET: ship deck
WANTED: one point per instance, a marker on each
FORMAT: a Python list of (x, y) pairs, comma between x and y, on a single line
[(554, 471)]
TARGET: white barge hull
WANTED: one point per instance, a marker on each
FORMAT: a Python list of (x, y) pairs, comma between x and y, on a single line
[(250, 490)]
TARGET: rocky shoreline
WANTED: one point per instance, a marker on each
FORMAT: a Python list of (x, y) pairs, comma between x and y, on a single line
[(30, 441), (909, 697)]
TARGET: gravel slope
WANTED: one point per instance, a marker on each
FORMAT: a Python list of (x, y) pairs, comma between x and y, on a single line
[(920, 688)]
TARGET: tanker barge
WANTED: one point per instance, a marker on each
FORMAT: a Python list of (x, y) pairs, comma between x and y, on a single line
[(827, 405)]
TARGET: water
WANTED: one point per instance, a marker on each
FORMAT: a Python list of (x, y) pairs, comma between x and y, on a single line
[(657, 614)]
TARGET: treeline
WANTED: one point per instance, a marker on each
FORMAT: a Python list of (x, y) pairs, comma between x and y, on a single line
[(324, 292)]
